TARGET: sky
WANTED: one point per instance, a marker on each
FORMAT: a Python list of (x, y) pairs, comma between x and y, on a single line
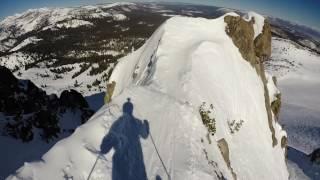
[(304, 12)]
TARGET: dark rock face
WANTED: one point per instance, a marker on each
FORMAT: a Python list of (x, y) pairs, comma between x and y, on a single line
[(73, 99), (6, 77), (315, 156), (26, 107)]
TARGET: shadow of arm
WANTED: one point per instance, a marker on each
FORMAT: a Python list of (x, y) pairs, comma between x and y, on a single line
[(107, 143), (144, 131)]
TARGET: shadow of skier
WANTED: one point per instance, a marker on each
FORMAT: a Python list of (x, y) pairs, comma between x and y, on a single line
[(124, 136)]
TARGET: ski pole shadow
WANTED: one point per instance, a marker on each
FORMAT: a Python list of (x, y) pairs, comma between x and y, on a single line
[(124, 137)]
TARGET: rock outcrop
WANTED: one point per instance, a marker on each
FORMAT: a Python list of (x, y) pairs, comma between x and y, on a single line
[(242, 35), (255, 50), (315, 156), (241, 31), (262, 43), (26, 107)]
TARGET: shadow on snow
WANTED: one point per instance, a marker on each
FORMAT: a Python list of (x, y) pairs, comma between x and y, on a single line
[(124, 136)]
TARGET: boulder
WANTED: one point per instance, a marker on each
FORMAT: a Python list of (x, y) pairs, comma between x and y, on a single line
[(73, 99), (315, 156)]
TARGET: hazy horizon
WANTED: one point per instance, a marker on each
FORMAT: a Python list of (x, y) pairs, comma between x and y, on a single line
[(302, 12)]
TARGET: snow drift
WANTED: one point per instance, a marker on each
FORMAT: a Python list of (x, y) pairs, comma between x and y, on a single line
[(186, 105)]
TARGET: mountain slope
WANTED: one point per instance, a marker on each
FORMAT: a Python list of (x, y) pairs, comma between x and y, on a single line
[(31, 121), (186, 105), (297, 69)]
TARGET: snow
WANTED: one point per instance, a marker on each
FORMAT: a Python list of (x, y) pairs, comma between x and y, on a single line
[(295, 172), (53, 86), (15, 153), (47, 18), (272, 89), (297, 70), (304, 168), (167, 80), (74, 24), (118, 4), (82, 54), (35, 18), (258, 22), (29, 40), (16, 59), (119, 17)]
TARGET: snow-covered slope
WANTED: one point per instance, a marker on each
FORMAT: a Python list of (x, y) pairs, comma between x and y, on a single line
[(25, 42), (171, 134)]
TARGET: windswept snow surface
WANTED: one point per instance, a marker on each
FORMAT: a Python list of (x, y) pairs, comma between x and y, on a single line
[(298, 72), (186, 62)]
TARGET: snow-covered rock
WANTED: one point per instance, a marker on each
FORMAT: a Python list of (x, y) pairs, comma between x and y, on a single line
[(258, 22), (157, 125)]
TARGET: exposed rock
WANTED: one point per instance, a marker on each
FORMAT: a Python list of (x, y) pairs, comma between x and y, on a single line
[(284, 144), (6, 77), (72, 99), (262, 43), (110, 89), (224, 149), (276, 105), (267, 104), (255, 51), (315, 156), (26, 107), (242, 35)]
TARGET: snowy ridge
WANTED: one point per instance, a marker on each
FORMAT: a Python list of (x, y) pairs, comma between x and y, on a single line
[(44, 18), (167, 80), (25, 42), (74, 23)]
